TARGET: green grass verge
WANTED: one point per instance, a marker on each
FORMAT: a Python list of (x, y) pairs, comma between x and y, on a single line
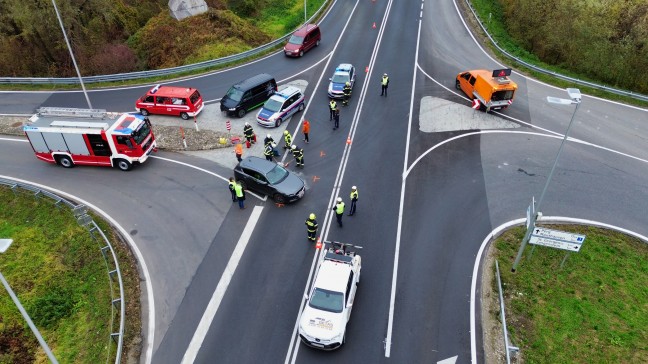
[(57, 271), (593, 310), (491, 15)]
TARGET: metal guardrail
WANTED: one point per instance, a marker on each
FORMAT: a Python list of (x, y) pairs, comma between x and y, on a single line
[(154, 73), (80, 212), (555, 74), (509, 348)]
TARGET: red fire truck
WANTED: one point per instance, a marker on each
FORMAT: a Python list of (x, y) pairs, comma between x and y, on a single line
[(68, 136)]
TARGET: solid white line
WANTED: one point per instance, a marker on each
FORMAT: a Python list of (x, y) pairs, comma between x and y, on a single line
[(494, 234), (140, 258), (221, 288), (14, 140), (392, 297), (206, 171)]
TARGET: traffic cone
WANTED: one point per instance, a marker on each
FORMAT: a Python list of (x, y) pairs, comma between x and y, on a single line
[(366, 69), (318, 245), (374, 25), (349, 140)]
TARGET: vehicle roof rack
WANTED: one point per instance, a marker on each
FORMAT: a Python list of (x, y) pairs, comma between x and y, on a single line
[(69, 111)]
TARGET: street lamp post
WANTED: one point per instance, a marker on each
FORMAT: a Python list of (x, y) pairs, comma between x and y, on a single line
[(4, 245), (575, 98), (305, 16)]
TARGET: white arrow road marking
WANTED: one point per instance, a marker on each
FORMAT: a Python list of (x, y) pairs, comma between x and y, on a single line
[(452, 360)]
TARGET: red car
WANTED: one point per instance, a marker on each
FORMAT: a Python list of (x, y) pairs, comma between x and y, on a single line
[(303, 40)]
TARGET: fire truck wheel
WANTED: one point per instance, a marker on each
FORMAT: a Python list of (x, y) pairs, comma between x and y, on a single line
[(65, 161), (184, 116), (457, 85), (123, 164), (144, 112)]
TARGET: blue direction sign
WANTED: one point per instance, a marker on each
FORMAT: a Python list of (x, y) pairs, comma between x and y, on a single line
[(557, 239)]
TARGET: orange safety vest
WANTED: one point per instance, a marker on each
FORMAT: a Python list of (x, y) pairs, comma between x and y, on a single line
[(239, 149), (306, 128)]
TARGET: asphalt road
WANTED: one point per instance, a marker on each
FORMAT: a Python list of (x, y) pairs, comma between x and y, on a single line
[(451, 198)]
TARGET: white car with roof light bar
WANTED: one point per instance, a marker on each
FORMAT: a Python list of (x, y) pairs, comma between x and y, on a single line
[(281, 106), (323, 321), (344, 73)]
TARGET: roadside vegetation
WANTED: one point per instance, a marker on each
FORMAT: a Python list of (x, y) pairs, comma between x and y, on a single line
[(111, 36), (604, 42), (593, 310), (58, 273)]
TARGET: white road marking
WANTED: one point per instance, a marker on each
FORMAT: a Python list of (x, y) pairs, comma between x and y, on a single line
[(221, 288), (452, 360), (206, 171), (392, 297), (147, 277), (15, 140), (496, 232)]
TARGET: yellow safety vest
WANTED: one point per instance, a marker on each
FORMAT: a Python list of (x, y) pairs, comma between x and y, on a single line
[(339, 208)]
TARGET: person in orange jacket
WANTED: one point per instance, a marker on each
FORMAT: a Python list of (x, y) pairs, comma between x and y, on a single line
[(306, 130), (238, 150)]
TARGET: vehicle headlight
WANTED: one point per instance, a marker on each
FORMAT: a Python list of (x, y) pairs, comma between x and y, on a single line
[(232, 109)]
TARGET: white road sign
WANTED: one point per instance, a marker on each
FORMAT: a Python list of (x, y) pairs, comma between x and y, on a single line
[(557, 239)]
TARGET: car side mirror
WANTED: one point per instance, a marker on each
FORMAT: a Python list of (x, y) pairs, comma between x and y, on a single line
[(330, 79)]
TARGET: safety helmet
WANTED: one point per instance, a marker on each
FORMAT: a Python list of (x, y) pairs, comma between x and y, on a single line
[(384, 74), (312, 216), (293, 147), (285, 132), (269, 136), (339, 199), (348, 83), (247, 124), (353, 188)]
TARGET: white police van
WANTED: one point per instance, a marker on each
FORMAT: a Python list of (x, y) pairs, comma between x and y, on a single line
[(323, 321), (281, 106)]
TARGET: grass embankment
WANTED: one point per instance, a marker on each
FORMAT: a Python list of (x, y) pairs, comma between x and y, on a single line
[(58, 273), (492, 16), (593, 310)]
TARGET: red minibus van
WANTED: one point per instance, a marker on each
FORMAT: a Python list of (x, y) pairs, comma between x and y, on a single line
[(170, 100)]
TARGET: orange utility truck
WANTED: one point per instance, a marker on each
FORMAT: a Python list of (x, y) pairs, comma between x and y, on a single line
[(489, 90)]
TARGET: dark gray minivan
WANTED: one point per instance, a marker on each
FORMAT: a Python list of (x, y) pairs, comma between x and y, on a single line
[(248, 94)]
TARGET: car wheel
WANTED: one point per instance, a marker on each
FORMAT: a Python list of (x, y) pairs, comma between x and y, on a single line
[(184, 116), (65, 161), (241, 113), (457, 85), (317, 43), (144, 112), (301, 107), (301, 53), (278, 198), (122, 164), (278, 122)]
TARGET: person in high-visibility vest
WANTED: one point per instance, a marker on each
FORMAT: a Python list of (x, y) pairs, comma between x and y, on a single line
[(240, 195), (287, 139), (384, 83), (354, 200), (332, 107), (232, 188), (311, 228), (249, 133), (339, 210), (298, 153), (268, 152), (347, 93)]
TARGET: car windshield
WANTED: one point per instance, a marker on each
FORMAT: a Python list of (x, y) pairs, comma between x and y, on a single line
[(234, 94), (141, 133), (340, 78), (273, 105), (326, 300), (295, 39), (276, 175)]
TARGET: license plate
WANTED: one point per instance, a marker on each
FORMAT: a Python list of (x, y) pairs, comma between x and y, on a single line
[(318, 345)]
